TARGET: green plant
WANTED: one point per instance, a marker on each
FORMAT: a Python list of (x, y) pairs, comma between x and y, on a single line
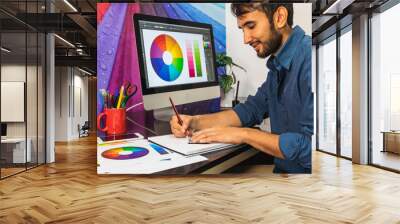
[(226, 77)]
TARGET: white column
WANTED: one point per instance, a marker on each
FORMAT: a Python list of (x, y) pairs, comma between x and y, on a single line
[(50, 94), (360, 90)]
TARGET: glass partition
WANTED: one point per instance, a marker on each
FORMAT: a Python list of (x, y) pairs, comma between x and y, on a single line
[(22, 88), (327, 96), (14, 153)]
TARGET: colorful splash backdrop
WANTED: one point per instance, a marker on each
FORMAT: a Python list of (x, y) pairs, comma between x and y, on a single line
[(116, 43)]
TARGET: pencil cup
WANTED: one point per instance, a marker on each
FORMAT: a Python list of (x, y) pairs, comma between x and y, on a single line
[(115, 121)]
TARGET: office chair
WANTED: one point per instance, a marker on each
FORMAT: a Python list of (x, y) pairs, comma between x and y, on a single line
[(84, 130)]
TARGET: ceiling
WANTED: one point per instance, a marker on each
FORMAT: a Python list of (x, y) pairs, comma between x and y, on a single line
[(331, 15), (76, 23)]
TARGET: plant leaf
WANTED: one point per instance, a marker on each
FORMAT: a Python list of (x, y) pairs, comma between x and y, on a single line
[(239, 66), (228, 60), (226, 82)]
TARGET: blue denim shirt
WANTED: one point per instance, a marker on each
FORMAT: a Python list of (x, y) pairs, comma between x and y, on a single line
[(286, 98)]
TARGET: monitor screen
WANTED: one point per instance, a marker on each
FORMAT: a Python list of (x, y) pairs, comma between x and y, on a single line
[(174, 54)]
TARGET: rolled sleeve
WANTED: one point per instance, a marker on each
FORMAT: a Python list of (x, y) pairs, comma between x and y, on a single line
[(296, 147), (243, 115)]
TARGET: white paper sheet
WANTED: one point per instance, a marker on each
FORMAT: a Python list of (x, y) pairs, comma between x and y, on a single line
[(183, 146), (152, 162)]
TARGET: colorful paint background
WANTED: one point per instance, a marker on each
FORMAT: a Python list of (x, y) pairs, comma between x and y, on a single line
[(116, 43)]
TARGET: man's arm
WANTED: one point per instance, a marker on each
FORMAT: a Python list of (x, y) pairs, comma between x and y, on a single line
[(195, 123), (226, 118), (247, 114), (290, 146), (263, 141)]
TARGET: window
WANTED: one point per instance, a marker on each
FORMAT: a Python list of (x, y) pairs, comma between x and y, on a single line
[(327, 96), (385, 89), (346, 92)]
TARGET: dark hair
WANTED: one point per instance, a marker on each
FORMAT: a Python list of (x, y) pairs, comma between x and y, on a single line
[(266, 6)]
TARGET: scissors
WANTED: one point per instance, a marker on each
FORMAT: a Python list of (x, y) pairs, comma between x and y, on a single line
[(129, 91)]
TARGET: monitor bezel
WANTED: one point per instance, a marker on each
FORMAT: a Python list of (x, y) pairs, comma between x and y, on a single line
[(154, 90)]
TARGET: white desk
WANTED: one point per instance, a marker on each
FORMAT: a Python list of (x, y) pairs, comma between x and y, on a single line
[(18, 150)]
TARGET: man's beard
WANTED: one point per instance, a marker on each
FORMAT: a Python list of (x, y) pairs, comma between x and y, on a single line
[(272, 45)]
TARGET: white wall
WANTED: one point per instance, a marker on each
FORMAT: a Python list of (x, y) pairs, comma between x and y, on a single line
[(71, 94), (61, 103), (17, 73), (33, 126), (303, 16), (14, 72), (245, 56), (79, 117)]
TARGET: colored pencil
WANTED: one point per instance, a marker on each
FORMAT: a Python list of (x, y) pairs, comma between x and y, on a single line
[(121, 95)]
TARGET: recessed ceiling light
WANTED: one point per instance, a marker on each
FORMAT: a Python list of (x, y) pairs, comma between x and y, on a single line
[(337, 7), (5, 50), (65, 41), (84, 71), (70, 5)]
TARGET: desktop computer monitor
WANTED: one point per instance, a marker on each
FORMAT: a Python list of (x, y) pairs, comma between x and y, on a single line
[(176, 59)]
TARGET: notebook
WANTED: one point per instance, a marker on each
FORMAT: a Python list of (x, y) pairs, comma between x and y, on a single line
[(181, 145)]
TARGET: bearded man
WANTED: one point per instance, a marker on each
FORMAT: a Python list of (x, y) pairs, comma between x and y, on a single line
[(285, 97)]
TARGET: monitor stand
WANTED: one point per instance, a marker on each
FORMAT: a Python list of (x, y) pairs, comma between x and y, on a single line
[(163, 114), (161, 120)]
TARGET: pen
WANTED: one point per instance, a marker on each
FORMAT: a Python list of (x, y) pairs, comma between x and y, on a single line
[(176, 112), (198, 143)]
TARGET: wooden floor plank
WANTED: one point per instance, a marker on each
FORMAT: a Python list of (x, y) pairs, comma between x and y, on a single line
[(70, 191)]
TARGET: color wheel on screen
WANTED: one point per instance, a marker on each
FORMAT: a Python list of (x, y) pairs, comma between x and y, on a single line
[(166, 57), (123, 153)]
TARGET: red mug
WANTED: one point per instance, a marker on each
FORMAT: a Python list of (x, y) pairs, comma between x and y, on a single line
[(115, 121)]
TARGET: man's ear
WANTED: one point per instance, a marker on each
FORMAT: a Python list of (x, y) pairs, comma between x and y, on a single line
[(280, 17)]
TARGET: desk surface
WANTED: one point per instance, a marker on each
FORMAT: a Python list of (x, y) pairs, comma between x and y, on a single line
[(13, 140), (145, 124), (391, 132)]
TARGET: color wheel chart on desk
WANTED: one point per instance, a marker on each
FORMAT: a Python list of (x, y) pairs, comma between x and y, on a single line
[(130, 151), (139, 157), (174, 58), (123, 153)]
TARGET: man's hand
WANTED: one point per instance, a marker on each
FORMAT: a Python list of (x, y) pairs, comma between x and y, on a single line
[(229, 135), (183, 130)]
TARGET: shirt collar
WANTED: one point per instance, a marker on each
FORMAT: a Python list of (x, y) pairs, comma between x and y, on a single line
[(285, 55)]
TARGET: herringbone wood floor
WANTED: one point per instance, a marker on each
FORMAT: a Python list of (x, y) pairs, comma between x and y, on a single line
[(70, 191)]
